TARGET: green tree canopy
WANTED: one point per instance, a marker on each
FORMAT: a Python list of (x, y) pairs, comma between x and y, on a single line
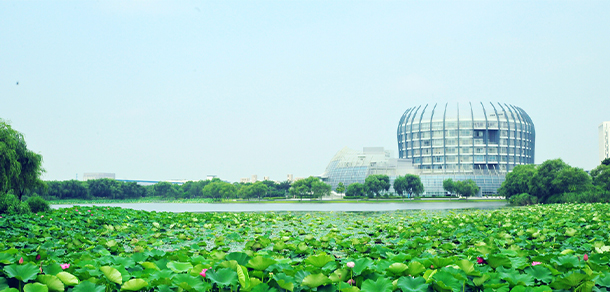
[(218, 190), (409, 184), (355, 190), (340, 188), (20, 168), (601, 177), (449, 186), (375, 184), (465, 188), (255, 190), (518, 181), (311, 187)]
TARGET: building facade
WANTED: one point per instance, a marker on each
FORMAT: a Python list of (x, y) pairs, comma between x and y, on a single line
[(479, 141), (350, 166), (604, 141)]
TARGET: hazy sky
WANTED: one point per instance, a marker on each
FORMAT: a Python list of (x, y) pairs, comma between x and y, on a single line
[(182, 89)]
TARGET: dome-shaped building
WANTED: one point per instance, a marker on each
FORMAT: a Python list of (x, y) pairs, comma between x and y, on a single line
[(480, 141)]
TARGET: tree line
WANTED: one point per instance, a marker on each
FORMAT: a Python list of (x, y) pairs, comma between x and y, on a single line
[(214, 189), (377, 185), (554, 181)]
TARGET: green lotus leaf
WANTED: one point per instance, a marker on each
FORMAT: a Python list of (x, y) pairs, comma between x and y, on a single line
[(362, 264), (35, 287), (134, 285), (515, 279), (319, 260), (315, 280), (243, 276), (568, 281), (111, 243), (498, 260), (3, 284), (468, 267), (260, 263), (188, 282), (149, 265), (409, 284), (223, 277), (112, 274), (380, 285), (339, 275), (567, 261), (415, 268), (478, 281), (284, 281), (446, 281), (179, 267), (232, 264), (240, 257), (397, 268), (541, 273), (6, 258), (67, 278), (23, 272), (52, 269), (10, 290), (604, 280), (52, 282)]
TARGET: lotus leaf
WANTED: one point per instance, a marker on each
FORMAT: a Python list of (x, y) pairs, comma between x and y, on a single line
[(568, 281), (223, 277), (243, 276), (409, 284), (179, 267), (35, 287), (134, 285), (52, 282), (362, 264), (397, 268), (315, 280), (319, 260), (23, 272), (240, 257), (260, 263), (284, 281), (380, 285), (540, 273), (86, 286)]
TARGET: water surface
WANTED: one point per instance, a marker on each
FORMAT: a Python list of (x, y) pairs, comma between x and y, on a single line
[(307, 207)]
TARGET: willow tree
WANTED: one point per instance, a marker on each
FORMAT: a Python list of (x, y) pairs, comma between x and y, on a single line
[(20, 168)]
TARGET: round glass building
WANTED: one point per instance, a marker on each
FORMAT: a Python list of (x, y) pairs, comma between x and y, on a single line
[(479, 141)]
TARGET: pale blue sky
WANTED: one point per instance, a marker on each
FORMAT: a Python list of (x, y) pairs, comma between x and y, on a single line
[(182, 89)]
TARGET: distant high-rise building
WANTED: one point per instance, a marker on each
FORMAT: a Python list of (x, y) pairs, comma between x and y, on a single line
[(254, 178), (290, 178), (98, 175), (604, 141)]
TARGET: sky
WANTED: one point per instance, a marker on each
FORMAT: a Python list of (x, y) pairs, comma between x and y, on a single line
[(160, 90)]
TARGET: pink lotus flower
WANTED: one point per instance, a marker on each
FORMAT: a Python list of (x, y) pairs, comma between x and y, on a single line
[(536, 263), (21, 260), (431, 266), (480, 260), (37, 257), (203, 272), (585, 257), (64, 266), (351, 281), (350, 264)]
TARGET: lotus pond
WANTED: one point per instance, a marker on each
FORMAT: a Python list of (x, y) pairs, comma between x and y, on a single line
[(538, 248)]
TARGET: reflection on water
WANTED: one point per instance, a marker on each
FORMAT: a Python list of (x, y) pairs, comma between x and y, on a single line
[(307, 207)]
